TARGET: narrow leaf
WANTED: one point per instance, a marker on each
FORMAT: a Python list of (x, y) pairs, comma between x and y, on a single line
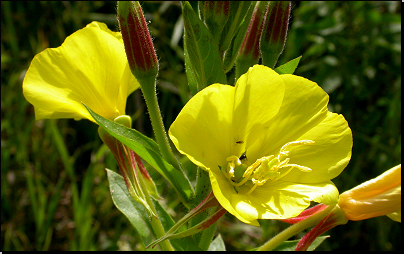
[(289, 67), (147, 149), (134, 211)]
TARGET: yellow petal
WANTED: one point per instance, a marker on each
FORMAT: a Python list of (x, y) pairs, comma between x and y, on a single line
[(377, 197), (202, 130), (304, 116), (328, 156), (258, 97), (279, 200), (209, 126), (89, 67)]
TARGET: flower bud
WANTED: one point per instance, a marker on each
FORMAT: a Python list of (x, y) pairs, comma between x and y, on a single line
[(136, 37), (274, 32), (137, 180), (377, 197), (216, 14), (250, 48)]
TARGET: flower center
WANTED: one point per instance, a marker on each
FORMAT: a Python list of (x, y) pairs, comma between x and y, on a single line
[(267, 168)]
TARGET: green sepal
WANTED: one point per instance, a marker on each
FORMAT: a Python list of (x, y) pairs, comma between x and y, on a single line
[(129, 172), (216, 14), (150, 185), (239, 14), (203, 64), (236, 40), (289, 67)]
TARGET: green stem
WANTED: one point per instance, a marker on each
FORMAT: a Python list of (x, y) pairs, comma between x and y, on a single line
[(148, 87), (294, 229), (149, 93)]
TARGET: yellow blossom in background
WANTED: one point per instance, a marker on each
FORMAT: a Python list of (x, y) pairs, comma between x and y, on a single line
[(90, 67), (377, 197), (270, 144)]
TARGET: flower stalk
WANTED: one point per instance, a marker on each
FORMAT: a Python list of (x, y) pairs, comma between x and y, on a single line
[(144, 65)]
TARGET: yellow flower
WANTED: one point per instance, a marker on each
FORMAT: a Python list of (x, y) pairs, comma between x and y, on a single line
[(90, 67), (270, 144), (377, 197)]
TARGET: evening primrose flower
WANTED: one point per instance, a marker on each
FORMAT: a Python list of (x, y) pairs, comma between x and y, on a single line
[(270, 144), (90, 67)]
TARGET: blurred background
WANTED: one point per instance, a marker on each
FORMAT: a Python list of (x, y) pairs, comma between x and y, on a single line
[(54, 189)]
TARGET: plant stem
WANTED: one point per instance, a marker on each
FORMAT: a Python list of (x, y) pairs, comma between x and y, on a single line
[(149, 93), (294, 229)]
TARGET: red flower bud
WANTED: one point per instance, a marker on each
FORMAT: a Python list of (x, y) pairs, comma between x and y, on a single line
[(274, 32), (136, 37)]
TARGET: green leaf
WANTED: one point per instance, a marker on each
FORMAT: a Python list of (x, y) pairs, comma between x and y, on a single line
[(147, 149), (217, 244), (203, 64), (184, 244), (134, 211), (138, 217), (289, 67)]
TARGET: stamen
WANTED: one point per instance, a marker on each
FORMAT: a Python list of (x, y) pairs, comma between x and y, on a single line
[(294, 143), (302, 168), (264, 169)]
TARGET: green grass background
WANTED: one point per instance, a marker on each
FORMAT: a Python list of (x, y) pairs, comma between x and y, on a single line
[(54, 190)]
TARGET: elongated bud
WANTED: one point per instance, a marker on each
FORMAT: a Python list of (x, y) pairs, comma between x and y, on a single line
[(137, 180), (216, 14), (377, 197), (274, 32), (250, 49), (136, 38), (239, 17)]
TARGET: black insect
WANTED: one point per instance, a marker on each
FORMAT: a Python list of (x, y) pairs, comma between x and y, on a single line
[(239, 142), (243, 156)]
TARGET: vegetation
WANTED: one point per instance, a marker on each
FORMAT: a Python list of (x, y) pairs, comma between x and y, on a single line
[(351, 49)]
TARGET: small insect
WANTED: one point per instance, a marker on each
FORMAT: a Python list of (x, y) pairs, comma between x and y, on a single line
[(243, 156), (239, 142)]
